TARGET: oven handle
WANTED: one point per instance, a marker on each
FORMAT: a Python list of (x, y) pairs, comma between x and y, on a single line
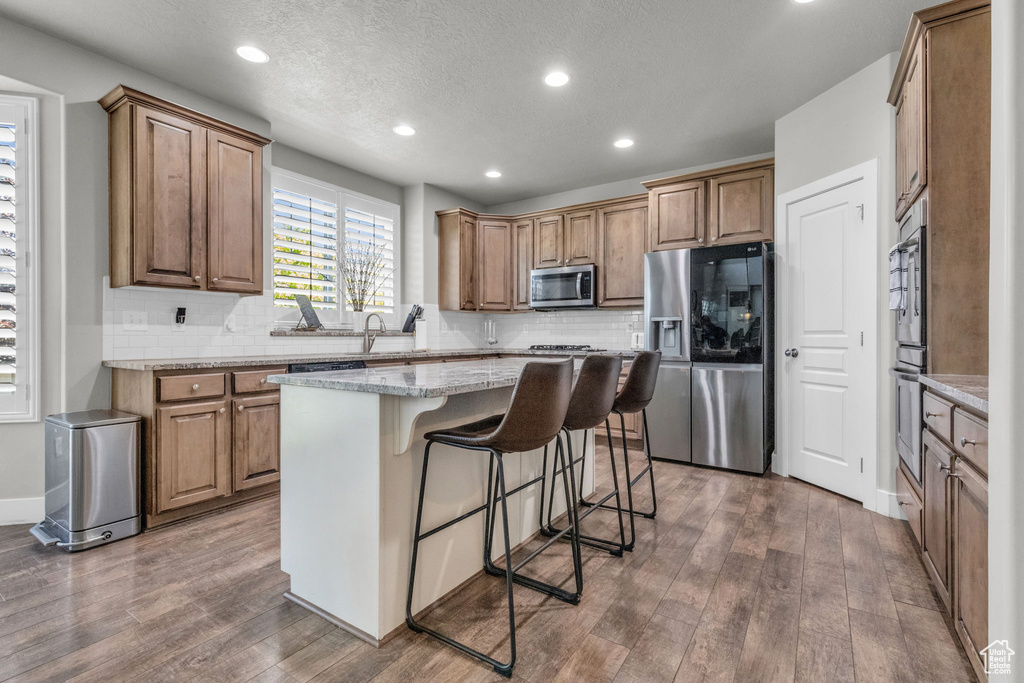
[(906, 376), (913, 280)]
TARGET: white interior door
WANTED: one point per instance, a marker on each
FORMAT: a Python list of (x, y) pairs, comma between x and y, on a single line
[(827, 336)]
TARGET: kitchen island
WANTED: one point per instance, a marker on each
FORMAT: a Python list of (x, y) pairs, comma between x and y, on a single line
[(351, 452)]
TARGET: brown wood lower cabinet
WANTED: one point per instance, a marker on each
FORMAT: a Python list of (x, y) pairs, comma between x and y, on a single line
[(970, 561), (256, 441), (195, 454), (954, 520)]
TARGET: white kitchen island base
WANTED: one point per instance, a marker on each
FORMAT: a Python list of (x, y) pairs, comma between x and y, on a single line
[(351, 461)]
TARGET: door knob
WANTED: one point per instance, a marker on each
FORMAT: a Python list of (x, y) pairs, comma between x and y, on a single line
[(792, 353)]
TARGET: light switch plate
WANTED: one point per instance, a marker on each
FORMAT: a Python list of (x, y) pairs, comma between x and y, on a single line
[(135, 321), (637, 341)]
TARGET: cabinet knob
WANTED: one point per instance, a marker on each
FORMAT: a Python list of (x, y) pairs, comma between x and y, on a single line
[(931, 414), (964, 441), (222, 410), (197, 278), (263, 381), (700, 239), (241, 408), (216, 279), (903, 502), (195, 387)]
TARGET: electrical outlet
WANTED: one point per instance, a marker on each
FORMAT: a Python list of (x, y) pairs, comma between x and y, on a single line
[(135, 321)]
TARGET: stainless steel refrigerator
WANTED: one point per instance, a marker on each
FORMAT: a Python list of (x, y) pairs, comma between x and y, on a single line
[(710, 312)]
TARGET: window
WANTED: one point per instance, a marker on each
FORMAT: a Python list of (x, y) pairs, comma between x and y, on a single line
[(318, 228), (19, 279)]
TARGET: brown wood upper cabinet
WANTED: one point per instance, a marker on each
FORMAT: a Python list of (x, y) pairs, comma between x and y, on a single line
[(549, 241), (186, 197), (568, 239), (457, 254), (622, 242), (494, 261), (728, 205), (522, 246), (911, 157)]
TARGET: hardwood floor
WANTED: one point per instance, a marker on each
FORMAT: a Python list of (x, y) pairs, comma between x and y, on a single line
[(738, 579)]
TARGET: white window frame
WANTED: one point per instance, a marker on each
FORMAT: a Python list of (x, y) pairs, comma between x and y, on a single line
[(23, 405), (341, 317)]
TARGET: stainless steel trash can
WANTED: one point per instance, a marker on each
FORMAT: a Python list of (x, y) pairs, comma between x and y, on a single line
[(92, 479)]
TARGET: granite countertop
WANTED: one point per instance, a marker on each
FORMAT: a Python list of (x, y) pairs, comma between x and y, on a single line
[(968, 390), (430, 380), (337, 333), (253, 361)]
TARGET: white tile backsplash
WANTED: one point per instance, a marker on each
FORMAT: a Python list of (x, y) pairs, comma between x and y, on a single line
[(205, 334)]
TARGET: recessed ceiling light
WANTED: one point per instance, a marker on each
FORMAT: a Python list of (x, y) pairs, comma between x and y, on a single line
[(493, 174), (624, 142), (253, 54), (556, 79), (802, 2), (404, 130)]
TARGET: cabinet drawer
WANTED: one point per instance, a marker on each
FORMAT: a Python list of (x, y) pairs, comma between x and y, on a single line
[(182, 387), (938, 415), (252, 381), (970, 439), (910, 504)]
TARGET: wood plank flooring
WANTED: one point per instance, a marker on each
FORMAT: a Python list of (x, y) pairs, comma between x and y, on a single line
[(739, 578)]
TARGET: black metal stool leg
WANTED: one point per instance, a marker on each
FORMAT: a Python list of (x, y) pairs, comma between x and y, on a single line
[(648, 470), (506, 669), (500, 667)]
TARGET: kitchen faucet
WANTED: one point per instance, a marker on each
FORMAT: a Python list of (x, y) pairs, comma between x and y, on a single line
[(367, 339)]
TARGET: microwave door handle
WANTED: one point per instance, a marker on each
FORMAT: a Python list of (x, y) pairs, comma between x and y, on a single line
[(579, 286)]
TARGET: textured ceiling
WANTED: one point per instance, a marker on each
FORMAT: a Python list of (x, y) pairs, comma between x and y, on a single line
[(692, 81)]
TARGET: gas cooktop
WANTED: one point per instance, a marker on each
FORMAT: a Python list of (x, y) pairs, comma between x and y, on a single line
[(563, 347)]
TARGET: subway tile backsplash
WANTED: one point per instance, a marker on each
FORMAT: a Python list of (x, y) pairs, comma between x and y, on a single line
[(138, 323)]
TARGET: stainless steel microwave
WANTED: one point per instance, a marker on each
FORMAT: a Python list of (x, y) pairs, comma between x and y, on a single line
[(569, 287)]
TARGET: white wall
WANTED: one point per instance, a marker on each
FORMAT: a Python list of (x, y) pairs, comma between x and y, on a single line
[(1006, 335), (847, 125)]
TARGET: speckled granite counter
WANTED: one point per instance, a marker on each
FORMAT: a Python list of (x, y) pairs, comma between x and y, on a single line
[(968, 390), (244, 361), (430, 380)]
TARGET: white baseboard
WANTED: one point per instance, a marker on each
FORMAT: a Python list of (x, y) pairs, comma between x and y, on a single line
[(886, 504), (21, 510)]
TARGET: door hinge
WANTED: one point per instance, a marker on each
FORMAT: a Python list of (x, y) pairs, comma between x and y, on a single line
[(862, 465), (860, 210), (862, 338)]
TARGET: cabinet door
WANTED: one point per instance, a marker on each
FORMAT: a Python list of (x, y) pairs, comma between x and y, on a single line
[(234, 230), (549, 241), (193, 458), (970, 562), (911, 150), (256, 441), (677, 219), (937, 519), (494, 265), (467, 264), (580, 238), (169, 196), (522, 236), (622, 241), (742, 207)]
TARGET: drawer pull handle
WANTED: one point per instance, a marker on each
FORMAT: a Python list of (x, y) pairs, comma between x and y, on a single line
[(195, 387), (930, 414), (964, 441)]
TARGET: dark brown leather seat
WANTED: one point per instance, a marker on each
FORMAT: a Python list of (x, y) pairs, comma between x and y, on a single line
[(534, 417), (594, 394), (638, 389)]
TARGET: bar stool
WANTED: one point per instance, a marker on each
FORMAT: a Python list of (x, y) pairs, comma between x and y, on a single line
[(592, 399), (534, 417), (637, 392)]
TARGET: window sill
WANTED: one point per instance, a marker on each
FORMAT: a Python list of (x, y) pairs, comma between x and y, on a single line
[(335, 333)]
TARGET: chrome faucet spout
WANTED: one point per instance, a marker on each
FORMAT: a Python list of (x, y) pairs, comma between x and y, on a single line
[(369, 339)]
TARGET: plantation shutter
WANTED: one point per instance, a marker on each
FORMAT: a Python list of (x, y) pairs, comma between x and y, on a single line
[(305, 244), (8, 253), (369, 228)]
